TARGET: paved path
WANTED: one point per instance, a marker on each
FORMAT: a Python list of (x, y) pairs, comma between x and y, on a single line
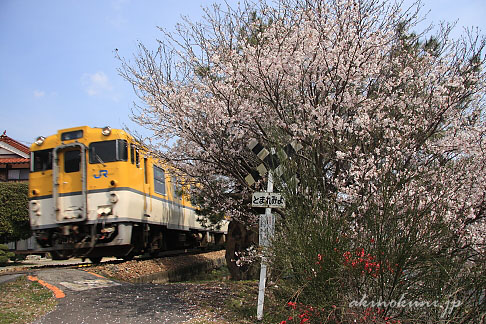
[(94, 299), (9, 277)]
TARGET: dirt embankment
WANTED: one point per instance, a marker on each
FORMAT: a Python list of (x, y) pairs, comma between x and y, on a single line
[(162, 269)]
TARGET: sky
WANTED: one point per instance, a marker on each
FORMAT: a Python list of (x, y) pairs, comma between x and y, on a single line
[(58, 67)]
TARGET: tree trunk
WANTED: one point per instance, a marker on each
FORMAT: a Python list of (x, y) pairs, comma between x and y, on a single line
[(239, 238)]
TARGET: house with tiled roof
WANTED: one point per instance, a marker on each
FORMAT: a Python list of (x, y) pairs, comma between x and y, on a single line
[(14, 159)]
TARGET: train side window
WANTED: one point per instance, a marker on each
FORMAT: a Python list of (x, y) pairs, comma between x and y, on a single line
[(159, 180), (41, 160), (177, 186), (72, 161), (145, 168), (132, 154), (121, 150)]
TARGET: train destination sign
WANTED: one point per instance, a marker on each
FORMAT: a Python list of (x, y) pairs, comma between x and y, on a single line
[(268, 200)]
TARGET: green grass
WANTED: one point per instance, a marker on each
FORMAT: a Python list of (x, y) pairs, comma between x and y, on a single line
[(23, 301)]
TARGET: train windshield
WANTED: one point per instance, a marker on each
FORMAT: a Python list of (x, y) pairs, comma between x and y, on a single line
[(108, 151), (41, 160)]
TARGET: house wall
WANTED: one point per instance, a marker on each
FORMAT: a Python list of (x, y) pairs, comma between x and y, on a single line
[(14, 160)]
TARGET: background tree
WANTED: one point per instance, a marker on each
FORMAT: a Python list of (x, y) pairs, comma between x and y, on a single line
[(392, 127), (14, 212)]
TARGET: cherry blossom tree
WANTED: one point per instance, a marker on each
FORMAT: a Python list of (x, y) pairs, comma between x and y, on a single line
[(391, 121)]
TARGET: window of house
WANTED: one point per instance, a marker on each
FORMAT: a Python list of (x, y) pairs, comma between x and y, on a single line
[(13, 174), (24, 174), (159, 180), (18, 174)]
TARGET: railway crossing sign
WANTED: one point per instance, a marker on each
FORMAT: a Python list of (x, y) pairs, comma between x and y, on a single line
[(267, 200), (270, 161), (271, 165), (266, 231)]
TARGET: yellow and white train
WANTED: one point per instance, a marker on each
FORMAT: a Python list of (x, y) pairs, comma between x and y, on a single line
[(93, 193)]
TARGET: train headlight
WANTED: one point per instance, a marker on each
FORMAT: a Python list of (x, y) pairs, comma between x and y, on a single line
[(106, 130), (113, 197), (40, 140), (35, 207)]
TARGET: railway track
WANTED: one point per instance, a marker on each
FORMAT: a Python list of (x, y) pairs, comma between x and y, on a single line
[(26, 268)]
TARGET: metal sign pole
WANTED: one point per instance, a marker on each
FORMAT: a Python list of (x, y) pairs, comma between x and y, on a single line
[(271, 163), (267, 228)]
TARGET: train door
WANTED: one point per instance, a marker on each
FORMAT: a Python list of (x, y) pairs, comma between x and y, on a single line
[(69, 182), (166, 213)]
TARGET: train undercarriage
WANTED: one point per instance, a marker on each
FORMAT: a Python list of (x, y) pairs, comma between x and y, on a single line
[(121, 240)]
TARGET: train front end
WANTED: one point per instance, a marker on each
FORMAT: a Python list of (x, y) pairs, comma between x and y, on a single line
[(73, 197)]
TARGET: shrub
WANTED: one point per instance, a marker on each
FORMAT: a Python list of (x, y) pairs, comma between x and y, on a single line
[(5, 255), (329, 271), (14, 212)]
